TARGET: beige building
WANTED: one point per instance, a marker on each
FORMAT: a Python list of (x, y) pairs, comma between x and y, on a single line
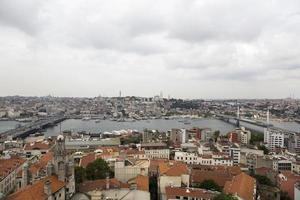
[(128, 169), (172, 174), (156, 150), (296, 167)]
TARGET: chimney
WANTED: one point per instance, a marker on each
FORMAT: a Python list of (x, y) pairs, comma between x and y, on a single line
[(47, 188), (49, 169), (107, 182)]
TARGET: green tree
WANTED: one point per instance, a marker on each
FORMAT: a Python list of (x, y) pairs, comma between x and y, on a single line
[(263, 180), (256, 138), (216, 135), (209, 185), (223, 196), (98, 169), (79, 174), (264, 148)]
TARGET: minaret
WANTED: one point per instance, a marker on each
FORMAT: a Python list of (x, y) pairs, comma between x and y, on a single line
[(238, 116), (60, 158), (268, 118), (25, 175)]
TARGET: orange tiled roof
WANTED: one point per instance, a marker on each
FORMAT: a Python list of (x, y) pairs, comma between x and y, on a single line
[(241, 185), (142, 182), (101, 184), (9, 165), (172, 192), (36, 191), (287, 184), (172, 168), (37, 146), (87, 159), (41, 164)]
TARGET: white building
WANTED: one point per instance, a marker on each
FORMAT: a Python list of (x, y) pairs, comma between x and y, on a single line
[(193, 158), (156, 150), (281, 163), (235, 153), (273, 138), (245, 135)]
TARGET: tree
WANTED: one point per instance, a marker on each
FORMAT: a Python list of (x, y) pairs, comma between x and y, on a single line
[(98, 169), (223, 196), (209, 185), (264, 148), (216, 135), (79, 174), (256, 138), (263, 180)]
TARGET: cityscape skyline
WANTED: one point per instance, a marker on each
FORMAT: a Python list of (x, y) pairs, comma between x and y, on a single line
[(194, 49)]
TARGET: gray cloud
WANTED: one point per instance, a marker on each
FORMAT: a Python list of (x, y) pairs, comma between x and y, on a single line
[(106, 46)]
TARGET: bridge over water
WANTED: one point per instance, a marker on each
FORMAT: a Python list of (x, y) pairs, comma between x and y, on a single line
[(230, 119), (30, 128)]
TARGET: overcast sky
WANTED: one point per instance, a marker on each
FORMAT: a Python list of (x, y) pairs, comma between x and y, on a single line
[(184, 48)]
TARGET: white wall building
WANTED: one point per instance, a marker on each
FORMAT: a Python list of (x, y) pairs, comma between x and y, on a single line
[(273, 138), (193, 158)]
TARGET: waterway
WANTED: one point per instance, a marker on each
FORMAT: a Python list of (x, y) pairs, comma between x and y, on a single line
[(159, 124)]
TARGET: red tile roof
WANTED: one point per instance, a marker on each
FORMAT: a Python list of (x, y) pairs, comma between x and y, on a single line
[(288, 183), (142, 182), (241, 185), (9, 165), (44, 145), (173, 192), (101, 184), (36, 191), (87, 159), (219, 174), (41, 164)]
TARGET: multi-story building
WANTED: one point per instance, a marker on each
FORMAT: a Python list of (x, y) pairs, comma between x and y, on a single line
[(245, 135), (240, 135), (178, 136), (281, 163), (156, 150), (193, 158), (273, 138), (153, 136), (173, 175), (9, 169), (235, 153), (126, 169)]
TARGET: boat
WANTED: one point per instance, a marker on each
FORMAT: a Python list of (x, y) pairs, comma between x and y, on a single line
[(86, 119), (97, 121)]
